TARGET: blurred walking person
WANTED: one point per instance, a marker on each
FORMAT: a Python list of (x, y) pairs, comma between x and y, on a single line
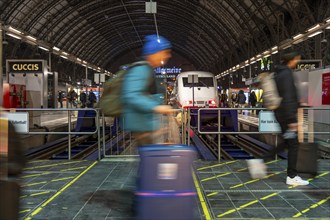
[(142, 103), (286, 115), (253, 100), (83, 99), (60, 98), (241, 99), (91, 99)]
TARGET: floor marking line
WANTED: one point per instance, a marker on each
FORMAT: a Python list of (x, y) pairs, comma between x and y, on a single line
[(212, 194), (51, 165), (36, 161), (33, 184), (271, 195), (34, 175), (237, 209), (201, 199), (216, 165), (60, 191), (268, 196), (74, 168), (255, 180), (23, 211), (40, 193), (214, 177), (64, 178), (311, 207), (248, 204)]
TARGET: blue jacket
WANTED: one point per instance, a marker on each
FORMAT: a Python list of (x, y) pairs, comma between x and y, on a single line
[(138, 103)]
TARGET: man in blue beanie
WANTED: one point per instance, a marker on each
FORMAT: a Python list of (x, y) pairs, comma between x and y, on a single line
[(142, 104)]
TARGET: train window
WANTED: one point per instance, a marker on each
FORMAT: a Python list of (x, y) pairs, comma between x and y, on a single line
[(202, 82)]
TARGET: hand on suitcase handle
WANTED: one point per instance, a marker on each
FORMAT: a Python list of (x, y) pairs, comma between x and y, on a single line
[(164, 109)]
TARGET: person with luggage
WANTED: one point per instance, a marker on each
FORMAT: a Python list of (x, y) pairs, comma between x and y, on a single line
[(286, 115), (83, 99), (253, 100), (60, 98), (223, 99), (72, 96), (241, 99), (141, 102), (91, 99)]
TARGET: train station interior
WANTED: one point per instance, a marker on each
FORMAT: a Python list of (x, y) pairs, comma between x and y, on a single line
[(219, 149)]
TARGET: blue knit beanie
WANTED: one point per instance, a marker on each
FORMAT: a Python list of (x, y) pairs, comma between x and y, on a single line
[(154, 44)]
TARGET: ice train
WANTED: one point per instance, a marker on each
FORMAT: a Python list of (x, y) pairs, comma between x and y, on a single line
[(202, 93)]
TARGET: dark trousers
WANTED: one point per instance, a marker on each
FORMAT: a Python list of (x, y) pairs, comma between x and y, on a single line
[(292, 144)]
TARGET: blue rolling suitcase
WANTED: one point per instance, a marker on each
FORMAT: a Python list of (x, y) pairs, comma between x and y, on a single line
[(166, 188)]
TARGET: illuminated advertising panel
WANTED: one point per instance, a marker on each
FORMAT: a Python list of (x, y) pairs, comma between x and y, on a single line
[(326, 89)]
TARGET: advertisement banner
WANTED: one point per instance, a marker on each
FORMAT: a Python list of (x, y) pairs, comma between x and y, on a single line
[(326, 88)]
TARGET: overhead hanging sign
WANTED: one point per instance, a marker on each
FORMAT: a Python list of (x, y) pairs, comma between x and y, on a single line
[(99, 77), (25, 66)]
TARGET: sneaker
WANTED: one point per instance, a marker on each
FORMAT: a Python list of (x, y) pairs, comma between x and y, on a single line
[(296, 181), (257, 168)]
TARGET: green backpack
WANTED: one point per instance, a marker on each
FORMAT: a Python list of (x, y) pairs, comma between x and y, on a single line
[(111, 101)]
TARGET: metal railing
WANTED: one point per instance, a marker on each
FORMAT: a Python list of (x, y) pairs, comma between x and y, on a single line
[(121, 135), (69, 117), (301, 130), (185, 127)]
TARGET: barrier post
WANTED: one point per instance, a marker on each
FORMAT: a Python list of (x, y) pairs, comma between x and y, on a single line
[(300, 132), (188, 127), (103, 131), (98, 133), (69, 130), (276, 136), (3, 146), (219, 135), (310, 126)]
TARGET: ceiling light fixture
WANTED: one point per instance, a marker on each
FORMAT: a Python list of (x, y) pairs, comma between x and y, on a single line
[(56, 48), (14, 36), (43, 48), (313, 28), (297, 36), (31, 38), (314, 34), (14, 30)]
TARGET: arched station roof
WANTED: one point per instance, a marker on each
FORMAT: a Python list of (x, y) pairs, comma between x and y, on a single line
[(210, 34)]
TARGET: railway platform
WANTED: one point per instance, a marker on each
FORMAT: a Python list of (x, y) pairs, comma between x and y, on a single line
[(104, 190)]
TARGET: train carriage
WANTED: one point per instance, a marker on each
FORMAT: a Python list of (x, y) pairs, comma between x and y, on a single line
[(205, 91)]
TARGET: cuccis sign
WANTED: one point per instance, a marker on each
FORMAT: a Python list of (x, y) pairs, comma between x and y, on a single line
[(25, 66), (309, 64)]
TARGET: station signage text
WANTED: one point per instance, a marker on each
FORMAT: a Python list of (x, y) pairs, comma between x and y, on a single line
[(173, 70), (25, 66), (309, 64)]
